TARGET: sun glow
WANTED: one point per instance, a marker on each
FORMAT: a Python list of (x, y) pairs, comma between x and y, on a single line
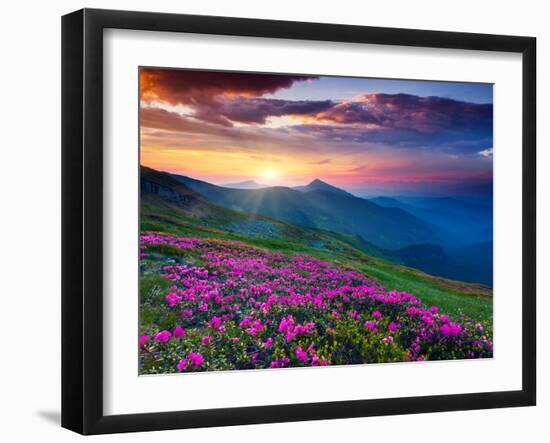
[(269, 175)]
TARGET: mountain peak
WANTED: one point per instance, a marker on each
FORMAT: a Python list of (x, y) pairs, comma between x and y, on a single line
[(317, 182), (319, 185)]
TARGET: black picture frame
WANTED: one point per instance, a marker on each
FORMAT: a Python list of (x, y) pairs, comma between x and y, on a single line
[(82, 218)]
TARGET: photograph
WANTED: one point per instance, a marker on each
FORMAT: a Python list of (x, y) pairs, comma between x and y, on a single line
[(231, 221), (302, 220)]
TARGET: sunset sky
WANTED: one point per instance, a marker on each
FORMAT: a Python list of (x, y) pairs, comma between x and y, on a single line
[(368, 136)]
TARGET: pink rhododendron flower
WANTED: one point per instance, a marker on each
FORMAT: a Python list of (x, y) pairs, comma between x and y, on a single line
[(301, 354), (369, 325), (215, 322), (143, 340), (412, 310), (279, 362), (163, 336), (257, 326), (450, 329), (427, 320), (285, 323), (245, 323), (316, 361), (196, 359), (206, 340), (179, 332), (187, 313), (182, 364), (376, 314), (173, 299)]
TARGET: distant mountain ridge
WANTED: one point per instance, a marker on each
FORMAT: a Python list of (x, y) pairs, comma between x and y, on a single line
[(247, 184), (467, 222), (470, 256), (326, 207)]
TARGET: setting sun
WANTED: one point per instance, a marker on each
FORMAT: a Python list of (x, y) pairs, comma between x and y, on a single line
[(269, 175)]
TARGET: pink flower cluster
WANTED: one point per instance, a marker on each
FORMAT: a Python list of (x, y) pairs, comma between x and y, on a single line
[(238, 306), (290, 329), (192, 361)]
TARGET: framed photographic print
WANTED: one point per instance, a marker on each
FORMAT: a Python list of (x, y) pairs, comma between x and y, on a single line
[(270, 221)]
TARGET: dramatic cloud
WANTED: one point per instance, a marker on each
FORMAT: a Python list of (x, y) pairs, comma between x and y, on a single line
[(422, 114), (226, 97), (406, 115), (180, 86)]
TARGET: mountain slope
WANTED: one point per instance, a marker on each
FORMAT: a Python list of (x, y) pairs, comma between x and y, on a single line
[(475, 261), (161, 187), (467, 222), (389, 228), (390, 202)]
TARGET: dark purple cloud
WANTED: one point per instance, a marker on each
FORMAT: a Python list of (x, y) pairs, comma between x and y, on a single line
[(258, 110), (409, 112), (225, 97), (180, 86)]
